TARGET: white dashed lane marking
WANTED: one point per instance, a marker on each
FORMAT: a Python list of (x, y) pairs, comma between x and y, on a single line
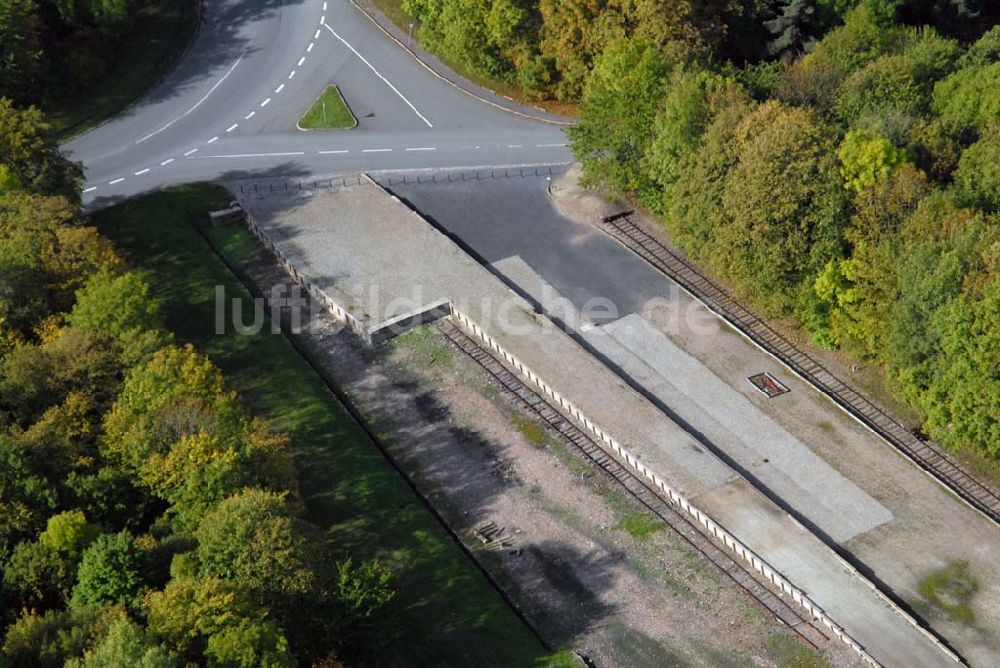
[(213, 140), (324, 8), (549, 145), (249, 155), (142, 171), (249, 116), (166, 162), (114, 181), (318, 33), (265, 102), (279, 89), (310, 47), (194, 150), (301, 60), (333, 152), (291, 74), (90, 189), (422, 148), (376, 150), (232, 127)]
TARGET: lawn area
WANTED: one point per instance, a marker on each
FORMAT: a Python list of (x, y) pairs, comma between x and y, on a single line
[(328, 112), (157, 39), (448, 612)]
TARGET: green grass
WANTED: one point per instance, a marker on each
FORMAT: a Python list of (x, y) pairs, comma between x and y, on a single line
[(447, 612), (950, 591), (640, 526), (328, 112), (532, 431), (791, 653), (154, 43)]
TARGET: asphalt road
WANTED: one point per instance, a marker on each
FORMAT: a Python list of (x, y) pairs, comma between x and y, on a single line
[(229, 109)]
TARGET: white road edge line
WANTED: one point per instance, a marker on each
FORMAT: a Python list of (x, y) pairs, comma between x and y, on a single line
[(279, 89), (166, 162), (249, 116), (194, 150), (90, 189), (196, 104), (265, 102), (142, 171), (376, 150), (213, 140), (372, 68), (232, 127), (114, 181), (332, 152), (423, 148), (249, 155)]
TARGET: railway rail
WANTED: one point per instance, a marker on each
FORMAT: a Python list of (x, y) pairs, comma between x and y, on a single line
[(925, 454), (578, 439)]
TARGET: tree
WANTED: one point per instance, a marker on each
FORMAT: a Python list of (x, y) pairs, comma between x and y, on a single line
[(784, 204), (792, 30), (53, 638), (109, 572), (254, 539), (126, 644), (970, 96), (866, 158), (69, 533), (619, 105), (40, 577), (20, 47), (33, 158), (978, 173), (214, 618)]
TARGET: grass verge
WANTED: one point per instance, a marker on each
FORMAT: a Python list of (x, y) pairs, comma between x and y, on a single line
[(447, 612), (950, 591), (158, 38), (329, 112)]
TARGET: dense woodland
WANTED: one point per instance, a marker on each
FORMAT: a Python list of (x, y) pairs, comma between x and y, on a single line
[(52, 49), (837, 161), (146, 516)]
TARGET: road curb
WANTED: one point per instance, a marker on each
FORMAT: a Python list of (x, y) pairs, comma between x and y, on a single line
[(450, 82)]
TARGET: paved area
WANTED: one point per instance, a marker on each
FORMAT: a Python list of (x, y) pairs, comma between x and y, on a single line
[(377, 257)]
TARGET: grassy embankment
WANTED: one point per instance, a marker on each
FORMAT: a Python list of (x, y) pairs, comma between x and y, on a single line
[(329, 112), (447, 612), (159, 36)]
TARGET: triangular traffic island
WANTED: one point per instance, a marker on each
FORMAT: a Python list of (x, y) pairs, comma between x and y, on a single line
[(328, 112)]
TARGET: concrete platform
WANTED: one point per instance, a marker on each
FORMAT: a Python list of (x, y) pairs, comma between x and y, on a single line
[(381, 260)]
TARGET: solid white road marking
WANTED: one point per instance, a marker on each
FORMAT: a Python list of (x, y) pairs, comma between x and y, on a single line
[(310, 47), (196, 104), (331, 152), (232, 127), (213, 140), (90, 189), (291, 75), (118, 180), (301, 60), (194, 150), (265, 102), (142, 171), (376, 150), (372, 68), (249, 116), (166, 162), (422, 148), (279, 89), (249, 155)]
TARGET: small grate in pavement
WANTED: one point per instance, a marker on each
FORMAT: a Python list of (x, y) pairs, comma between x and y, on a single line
[(768, 385)]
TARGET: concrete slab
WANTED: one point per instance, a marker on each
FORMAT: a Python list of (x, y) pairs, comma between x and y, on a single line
[(374, 255)]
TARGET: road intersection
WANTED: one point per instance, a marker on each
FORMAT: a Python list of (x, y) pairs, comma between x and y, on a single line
[(230, 108)]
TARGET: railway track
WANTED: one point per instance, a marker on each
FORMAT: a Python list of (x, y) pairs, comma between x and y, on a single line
[(925, 454), (578, 439)]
